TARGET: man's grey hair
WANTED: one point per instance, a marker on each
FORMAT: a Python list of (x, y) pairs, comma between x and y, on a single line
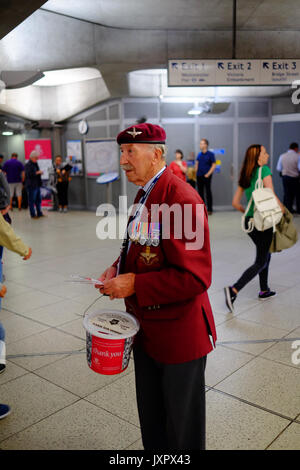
[(163, 149)]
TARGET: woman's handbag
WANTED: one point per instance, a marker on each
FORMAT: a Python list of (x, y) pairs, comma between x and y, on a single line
[(267, 212), (286, 234)]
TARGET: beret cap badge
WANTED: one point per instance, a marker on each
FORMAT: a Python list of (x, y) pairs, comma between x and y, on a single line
[(134, 133)]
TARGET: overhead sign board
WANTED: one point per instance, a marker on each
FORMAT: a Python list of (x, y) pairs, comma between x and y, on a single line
[(233, 72)]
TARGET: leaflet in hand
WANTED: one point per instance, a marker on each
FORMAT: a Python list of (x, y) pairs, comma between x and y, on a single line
[(85, 280)]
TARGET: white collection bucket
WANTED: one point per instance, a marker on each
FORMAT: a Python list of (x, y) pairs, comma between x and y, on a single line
[(109, 340)]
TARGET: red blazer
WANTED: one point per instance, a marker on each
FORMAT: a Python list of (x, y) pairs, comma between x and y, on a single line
[(170, 299)]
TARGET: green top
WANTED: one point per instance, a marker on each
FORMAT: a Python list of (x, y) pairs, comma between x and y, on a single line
[(248, 191)]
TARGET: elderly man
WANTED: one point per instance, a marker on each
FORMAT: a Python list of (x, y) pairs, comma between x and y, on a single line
[(164, 282), (33, 183)]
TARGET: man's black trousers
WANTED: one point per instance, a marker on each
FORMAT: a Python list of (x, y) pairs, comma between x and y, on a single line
[(291, 188), (204, 185), (171, 403)]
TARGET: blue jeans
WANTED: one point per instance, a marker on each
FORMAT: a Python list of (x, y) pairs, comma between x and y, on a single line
[(2, 345), (34, 200), (2, 334), (2, 330)]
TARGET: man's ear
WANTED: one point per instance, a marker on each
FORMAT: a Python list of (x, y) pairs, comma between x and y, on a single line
[(158, 155)]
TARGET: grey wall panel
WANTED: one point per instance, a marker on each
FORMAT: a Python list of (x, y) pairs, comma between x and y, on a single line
[(4, 147), (220, 136), (72, 133), (77, 193), (252, 133), (132, 190), (179, 136), (175, 110), (283, 135), (113, 111), (97, 194), (100, 115), (96, 132), (136, 110), (253, 109), (113, 131), (284, 105)]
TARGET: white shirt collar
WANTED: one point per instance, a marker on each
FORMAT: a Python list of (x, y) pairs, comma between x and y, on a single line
[(148, 184)]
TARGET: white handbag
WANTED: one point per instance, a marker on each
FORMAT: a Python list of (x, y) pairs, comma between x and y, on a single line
[(267, 212)]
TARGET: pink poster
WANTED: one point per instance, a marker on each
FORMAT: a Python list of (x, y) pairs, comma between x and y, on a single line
[(43, 147)]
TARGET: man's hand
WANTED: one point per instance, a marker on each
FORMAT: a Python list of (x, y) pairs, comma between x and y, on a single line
[(3, 291), (29, 254), (108, 274), (119, 287), (5, 211)]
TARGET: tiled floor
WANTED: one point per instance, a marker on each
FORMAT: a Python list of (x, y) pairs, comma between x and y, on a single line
[(253, 387)]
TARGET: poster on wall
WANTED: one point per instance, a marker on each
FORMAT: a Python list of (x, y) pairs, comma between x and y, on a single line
[(219, 152), (101, 156), (74, 156), (43, 147)]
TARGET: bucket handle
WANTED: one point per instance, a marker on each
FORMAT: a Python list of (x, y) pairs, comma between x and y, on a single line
[(86, 310)]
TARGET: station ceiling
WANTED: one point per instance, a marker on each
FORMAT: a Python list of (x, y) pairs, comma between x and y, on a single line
[(182, 14)]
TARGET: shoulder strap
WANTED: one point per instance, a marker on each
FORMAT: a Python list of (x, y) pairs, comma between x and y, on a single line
[(259, 182), (251, 223)]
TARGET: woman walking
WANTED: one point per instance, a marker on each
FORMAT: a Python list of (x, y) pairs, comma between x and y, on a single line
[(62, 183), (256, 157)]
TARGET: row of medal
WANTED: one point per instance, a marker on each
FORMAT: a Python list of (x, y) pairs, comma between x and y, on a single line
[(145, 233)]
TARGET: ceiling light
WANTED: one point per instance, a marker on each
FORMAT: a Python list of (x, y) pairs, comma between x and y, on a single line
[(7, 133), (204, 107), (195, 111)]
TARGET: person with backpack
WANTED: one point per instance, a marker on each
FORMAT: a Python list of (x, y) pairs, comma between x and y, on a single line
[(256, 175)]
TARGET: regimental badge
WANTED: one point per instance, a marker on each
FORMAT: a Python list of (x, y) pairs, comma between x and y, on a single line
[(134, 133), (148, 257)]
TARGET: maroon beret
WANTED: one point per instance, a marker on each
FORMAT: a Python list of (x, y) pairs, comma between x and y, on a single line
[(145, 133)]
